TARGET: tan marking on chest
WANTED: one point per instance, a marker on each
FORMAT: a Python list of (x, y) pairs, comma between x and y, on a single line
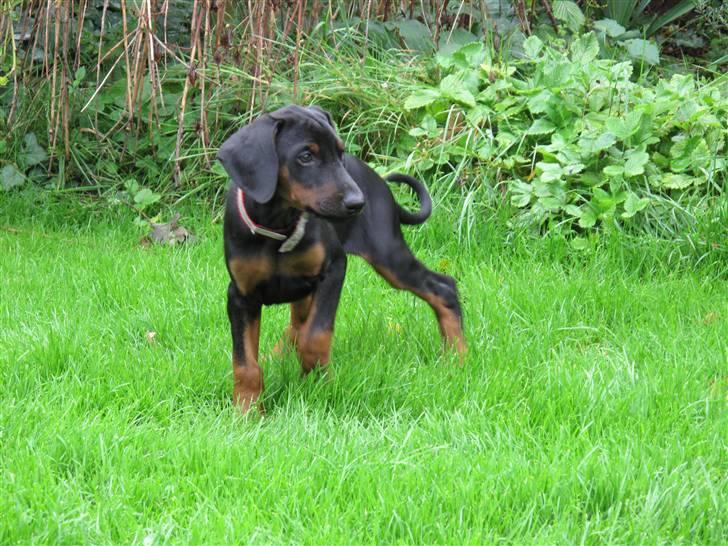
[(307, 263), (250, 272)]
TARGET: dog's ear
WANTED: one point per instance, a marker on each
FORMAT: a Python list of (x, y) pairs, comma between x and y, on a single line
[(250, 158), (320, 114)]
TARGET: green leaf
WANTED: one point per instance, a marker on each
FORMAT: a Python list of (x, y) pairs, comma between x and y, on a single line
[(541, 127), (558, 74), (471, 55), (675, 12), (613, 171), (573, 210), (146, 197), (585, 49), (593, 144), (580, 243), (550, 172), (621, 10), (574, 168), (421, 97), (79, 76), (417, 132), (609, 26), (689, 154), (521, 194), (676, 181), (538, 104), (414, 34), (635, 164), (634, 204), (643, 50), (452, 88), (570, 13), (33, 153), (588, 218), (604, 202), (627, 126), (11, 177), (532, 46), (457, 37)]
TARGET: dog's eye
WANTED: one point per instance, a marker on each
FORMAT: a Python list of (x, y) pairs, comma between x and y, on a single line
[(305, 157)]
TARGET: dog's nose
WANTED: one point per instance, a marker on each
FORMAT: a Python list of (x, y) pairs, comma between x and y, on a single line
[(353, 203)]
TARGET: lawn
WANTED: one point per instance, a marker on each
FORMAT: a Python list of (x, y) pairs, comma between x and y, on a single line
[(591, 408)]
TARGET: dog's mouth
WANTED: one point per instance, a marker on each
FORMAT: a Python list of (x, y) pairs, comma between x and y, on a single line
[(332, 213)]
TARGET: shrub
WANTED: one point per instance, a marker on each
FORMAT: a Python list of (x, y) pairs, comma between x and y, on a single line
[(572, 138)]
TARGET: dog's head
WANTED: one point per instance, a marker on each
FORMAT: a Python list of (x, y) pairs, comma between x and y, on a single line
[(295, 153)]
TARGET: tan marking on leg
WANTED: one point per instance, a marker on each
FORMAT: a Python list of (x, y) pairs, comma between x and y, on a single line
[(390, 277), (299, 314), (248, 386), (314, 349), (247, 375), (450, 325), (306, 263), (249, 272)]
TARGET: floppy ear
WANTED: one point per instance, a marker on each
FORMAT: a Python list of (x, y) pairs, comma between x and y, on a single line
[(249, 157), (320, 114)]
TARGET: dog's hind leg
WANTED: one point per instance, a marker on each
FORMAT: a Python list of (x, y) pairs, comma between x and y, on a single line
[(403, 271), (299, 313)]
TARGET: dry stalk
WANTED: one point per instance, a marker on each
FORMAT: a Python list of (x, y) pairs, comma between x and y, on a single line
[(296, 57), (188, 80), (99, 60), (65, 101), (46, 35), (126, 55), (547, 6), (79, 33), (53, 121)]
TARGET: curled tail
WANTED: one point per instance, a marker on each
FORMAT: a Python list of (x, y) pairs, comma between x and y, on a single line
[(405, 216)]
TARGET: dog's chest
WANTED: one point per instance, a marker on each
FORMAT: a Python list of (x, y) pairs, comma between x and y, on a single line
[(282, 277), (305, 263)]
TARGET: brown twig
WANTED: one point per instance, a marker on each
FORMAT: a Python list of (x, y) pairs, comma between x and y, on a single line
[(53, 122), (296, 56), (521, 14), (550, 13), (126, 56), (190, 75)]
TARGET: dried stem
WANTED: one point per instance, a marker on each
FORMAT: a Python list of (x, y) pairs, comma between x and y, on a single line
[(191, 74)]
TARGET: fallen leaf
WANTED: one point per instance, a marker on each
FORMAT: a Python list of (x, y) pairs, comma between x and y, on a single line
[(170, 233)]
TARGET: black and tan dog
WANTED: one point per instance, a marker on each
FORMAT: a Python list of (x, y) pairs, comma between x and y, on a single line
[(298, 204)]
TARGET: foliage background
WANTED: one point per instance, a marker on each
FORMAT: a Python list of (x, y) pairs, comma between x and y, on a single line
[(553, 116)]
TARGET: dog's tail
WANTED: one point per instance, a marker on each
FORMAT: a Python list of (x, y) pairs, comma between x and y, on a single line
[(405, 216)]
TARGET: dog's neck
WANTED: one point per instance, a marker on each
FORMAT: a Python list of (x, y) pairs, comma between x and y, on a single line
[(275, 215)]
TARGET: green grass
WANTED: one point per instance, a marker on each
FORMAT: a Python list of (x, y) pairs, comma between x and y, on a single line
[(591, 407)]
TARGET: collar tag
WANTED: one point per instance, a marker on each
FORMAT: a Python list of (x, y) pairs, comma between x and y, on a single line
[(290, 243)]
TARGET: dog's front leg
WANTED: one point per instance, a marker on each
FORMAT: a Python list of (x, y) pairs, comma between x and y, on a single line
[(244, 315), (315, 335)]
